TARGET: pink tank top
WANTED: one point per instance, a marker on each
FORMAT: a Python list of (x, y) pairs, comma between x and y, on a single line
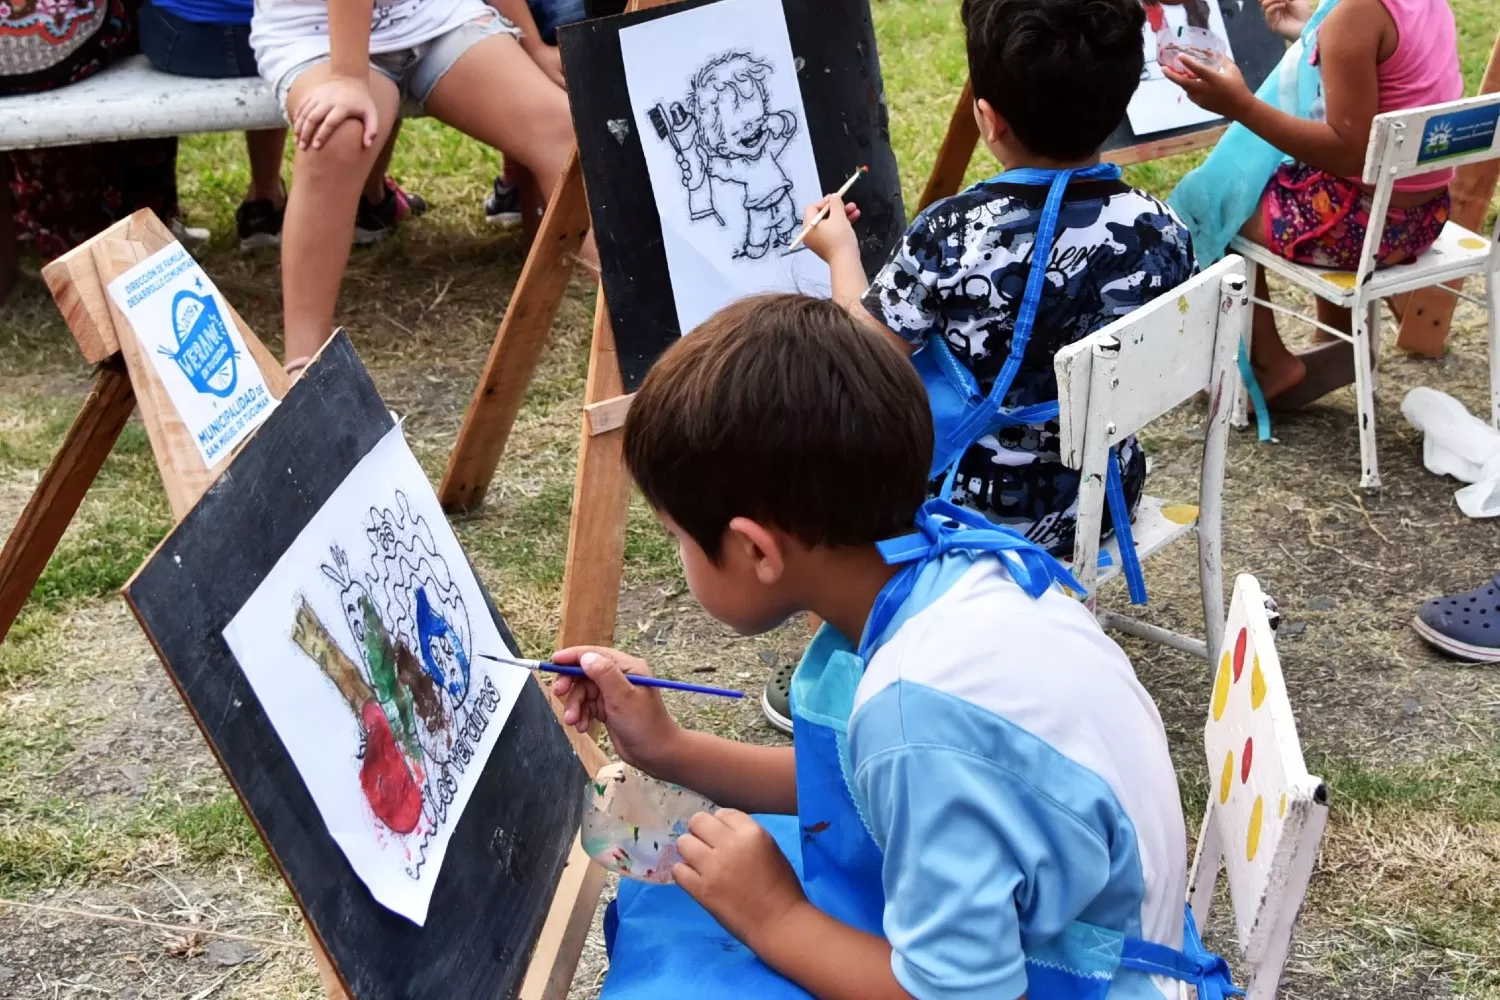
[(1423, 70)]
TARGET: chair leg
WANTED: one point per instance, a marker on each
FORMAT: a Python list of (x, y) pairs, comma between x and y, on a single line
[(1492, 294), (1239, 417), (1366, 323)]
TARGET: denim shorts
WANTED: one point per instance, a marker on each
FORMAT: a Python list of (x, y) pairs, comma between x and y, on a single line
[(417, 70), (190, 48)]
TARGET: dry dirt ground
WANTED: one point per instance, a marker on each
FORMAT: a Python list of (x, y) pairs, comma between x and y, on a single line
[(111, 806)]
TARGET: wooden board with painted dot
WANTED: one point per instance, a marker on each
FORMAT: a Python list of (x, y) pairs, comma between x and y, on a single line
[(1261, 789)]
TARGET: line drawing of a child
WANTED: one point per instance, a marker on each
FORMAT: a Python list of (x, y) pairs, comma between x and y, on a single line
[(738, 139)]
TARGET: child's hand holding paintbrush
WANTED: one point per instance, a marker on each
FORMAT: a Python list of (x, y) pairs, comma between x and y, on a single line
[(828, 231)]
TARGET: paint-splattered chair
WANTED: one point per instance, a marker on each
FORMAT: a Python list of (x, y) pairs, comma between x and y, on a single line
[(1118, 379), (1266, 814), (1402, 144)]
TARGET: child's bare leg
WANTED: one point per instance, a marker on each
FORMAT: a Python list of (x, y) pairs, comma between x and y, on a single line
[(374, 191), (498, 95), (319, 226), (1276, 368), (266, 148)]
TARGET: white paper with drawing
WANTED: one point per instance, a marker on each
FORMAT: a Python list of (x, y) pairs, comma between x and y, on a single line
[(1195, 27), (362, 645), (719, 112)]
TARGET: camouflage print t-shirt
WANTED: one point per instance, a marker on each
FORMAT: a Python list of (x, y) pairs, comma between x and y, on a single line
[(961, 271)]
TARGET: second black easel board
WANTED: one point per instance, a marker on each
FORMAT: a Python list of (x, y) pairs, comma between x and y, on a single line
[(836, 71), (386, 613)]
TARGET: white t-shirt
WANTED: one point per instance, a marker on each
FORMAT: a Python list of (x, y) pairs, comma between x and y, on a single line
[(286, 34)]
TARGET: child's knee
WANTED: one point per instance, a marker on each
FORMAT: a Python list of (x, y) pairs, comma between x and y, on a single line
[(341, 156)]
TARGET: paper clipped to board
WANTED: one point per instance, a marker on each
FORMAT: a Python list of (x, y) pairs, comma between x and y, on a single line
[(719, 110), (187, 330), (363, 646)]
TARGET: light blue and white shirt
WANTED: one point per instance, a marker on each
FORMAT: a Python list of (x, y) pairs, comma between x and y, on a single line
[(1016, 777)]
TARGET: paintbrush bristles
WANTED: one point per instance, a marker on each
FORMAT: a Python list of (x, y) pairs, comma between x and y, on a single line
[(823, 214)]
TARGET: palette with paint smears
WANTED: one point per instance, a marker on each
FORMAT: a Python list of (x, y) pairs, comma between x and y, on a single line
[(631, 822)]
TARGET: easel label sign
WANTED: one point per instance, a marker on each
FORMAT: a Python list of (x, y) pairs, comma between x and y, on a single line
[(363, 646), (186, 329)]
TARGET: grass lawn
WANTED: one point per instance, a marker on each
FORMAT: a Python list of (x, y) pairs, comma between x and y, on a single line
[(111, 804)]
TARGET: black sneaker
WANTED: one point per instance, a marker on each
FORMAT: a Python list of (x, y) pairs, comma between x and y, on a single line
[(259, 224), (503, 206), (373, 223)]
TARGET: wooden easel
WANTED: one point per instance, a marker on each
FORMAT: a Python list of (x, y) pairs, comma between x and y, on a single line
[(126, 378)]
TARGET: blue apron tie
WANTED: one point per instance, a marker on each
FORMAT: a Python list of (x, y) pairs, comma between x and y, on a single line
[(960, 419), (1257, 397), (1194, 964)]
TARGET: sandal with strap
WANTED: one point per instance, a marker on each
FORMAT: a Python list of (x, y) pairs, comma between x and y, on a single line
[(1465, 626)]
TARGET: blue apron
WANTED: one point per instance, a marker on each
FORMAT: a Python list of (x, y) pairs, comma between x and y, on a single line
[(663, 946), (961, 414)]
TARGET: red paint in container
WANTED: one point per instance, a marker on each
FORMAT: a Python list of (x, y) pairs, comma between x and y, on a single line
[(1195, 43)]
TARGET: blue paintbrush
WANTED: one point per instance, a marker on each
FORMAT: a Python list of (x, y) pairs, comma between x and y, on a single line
[(652, 682)]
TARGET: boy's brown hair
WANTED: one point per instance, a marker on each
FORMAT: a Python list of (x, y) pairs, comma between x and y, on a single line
[(783, 409)]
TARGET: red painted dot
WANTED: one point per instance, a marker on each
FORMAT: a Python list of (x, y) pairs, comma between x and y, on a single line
[(1245, 759), (1239, 653)]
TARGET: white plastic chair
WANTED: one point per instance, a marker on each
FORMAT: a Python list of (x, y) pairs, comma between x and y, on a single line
[(1402, 143), (1118, 379), (1266, 814)]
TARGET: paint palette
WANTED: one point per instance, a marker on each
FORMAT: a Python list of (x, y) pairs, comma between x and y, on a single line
[(1262, 796), (631, 822)]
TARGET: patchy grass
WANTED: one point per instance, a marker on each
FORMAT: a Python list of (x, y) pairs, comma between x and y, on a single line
[(1404, 902)]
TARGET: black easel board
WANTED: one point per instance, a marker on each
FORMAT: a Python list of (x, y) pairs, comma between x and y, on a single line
[(1257, 49), (510, 845), (843, 95)]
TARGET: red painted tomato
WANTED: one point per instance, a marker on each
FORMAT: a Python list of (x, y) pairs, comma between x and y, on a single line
[(387, 784)]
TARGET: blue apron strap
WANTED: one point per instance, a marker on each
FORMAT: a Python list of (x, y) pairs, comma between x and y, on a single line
[(943, 527), (1119, 514), (1257, 398), (1195, 964)]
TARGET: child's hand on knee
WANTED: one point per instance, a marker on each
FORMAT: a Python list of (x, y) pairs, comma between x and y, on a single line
[(639, 725), (329, 105), (834, 236)]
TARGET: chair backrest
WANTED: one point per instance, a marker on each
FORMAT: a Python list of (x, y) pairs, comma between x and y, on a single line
[(1265, 814), (1161, 355), (1421, 140)]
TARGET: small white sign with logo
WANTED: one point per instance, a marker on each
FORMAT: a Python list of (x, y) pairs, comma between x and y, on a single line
[(185, 328)]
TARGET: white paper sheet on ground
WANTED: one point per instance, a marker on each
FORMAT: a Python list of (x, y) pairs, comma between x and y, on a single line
[(1460, 445), (1159, 104), (362, 646), (188, 332), (735, 170)]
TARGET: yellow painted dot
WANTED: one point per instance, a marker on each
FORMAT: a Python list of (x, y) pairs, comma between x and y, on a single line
[(1339, 279), (1182, 304), (1226, 780), (1180, 513), (1221, 688), (1252, 838), (1257, 684), (1281, 809), (1472, 243)]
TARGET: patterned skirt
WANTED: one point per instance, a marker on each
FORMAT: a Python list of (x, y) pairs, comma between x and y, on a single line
[(1316, 218)]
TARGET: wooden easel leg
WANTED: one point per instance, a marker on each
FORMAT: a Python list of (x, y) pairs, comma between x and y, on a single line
[(62, 487), (332, 987), (517, 347), (956, 152), (1429, 312), (601, 500), (10, 250)]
